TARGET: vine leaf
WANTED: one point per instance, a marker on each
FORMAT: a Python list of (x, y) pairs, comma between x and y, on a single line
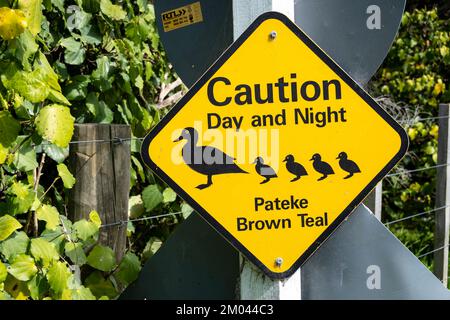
[(102, 258), (85, 229), (67, 178), (23, 268), (112, 11), (57, 276), (9, 129), (15, 245), (129, 269), (75, 253), (12, 23), (3, 272), (43, 251), (33, 13), (7, 226), (50, 215), (55, 124), (152, 197)]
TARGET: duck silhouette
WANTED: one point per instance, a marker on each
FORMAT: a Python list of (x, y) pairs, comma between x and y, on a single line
[(347, 165), (294, 167), (205, 160), (264, 170), (321, 166)]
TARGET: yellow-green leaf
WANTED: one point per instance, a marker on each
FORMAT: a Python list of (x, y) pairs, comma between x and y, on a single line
[(55, 124), (95, 218), (112, 11), (3, 154), (33, 14), (102, 258), (66, 176), (7, 226), (12, 23), (48, 214), (23, 268), (43, 251), (3, 272), (57, 276)]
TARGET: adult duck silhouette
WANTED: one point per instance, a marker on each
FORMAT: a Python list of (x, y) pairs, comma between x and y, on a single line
[(321, 166), (347, 165), (264, 170), (205, 160), (294, 167)]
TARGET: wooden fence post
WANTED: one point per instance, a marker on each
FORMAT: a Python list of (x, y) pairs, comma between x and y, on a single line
[(254, 285), (100, 159), (442, 217), (374, 200)]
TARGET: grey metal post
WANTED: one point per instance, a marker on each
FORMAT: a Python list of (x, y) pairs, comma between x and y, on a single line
[(442, 219), (374, 200), (253, 284)]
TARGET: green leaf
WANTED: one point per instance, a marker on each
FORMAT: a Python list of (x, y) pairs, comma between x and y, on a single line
[(66, 176), (85, 229), (31, 85), (94, 217), (43, 251), (50, 215), (56, 153), (33, 13), (135, 207), (101, 112), (74, 250), (25, 47), (112, 11), (9, 129), (82, 293), (74, 53), (186, 210), (169, 195), (129, 269), (7, 226), (3, 272), (3, 154), (151, 247), (23, 268), (57, 276), (24, 197), (47, 71), (25, 157), (76, 88), (15, 245), (152, 197), (56, 124), (38, 286), (102, 258), (100, 286)]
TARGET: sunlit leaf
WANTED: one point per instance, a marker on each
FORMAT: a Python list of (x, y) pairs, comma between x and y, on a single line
[(55, 124), (7, 226), (102, 258), (23, 268)]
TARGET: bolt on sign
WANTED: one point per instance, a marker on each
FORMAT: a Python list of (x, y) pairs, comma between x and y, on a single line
[(275, 145)]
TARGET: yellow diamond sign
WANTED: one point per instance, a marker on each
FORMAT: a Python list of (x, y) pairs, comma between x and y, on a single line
[(275, 145)]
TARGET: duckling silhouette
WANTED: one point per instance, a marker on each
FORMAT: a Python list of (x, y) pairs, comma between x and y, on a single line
[(294, 167), (264, 170), (205, 160), (347, 165), (321, 166)]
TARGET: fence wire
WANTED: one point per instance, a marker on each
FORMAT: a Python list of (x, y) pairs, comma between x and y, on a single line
[(416, 215), (124, 222)]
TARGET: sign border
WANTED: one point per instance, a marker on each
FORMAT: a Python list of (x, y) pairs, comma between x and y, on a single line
[(207, 76)]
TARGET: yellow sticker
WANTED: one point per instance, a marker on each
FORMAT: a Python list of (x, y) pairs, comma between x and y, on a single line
[(182, 17), (275, 145)]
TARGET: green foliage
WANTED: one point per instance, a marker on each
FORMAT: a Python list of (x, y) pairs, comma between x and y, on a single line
[(416, 73)]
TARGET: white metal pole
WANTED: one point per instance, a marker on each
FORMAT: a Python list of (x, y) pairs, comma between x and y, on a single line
[(254, 285)]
